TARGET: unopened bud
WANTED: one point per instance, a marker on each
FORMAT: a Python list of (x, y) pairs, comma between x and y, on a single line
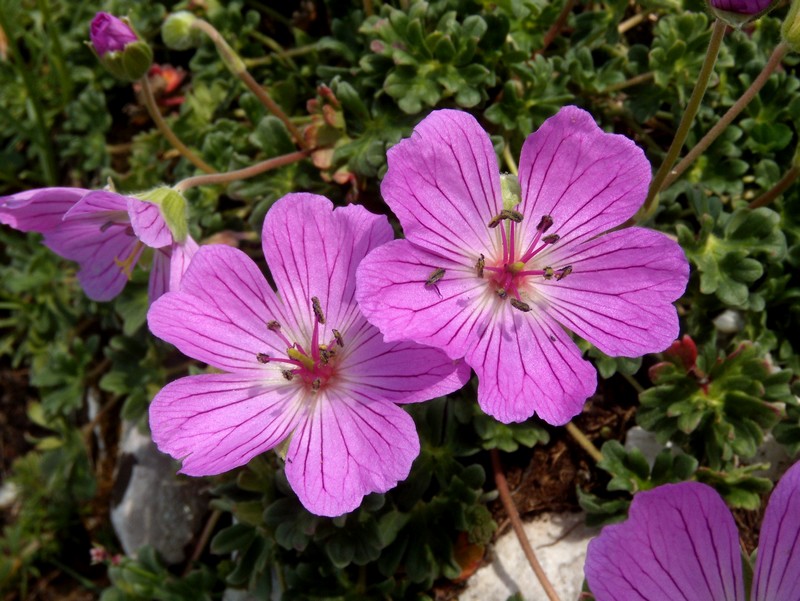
[(178, 33), (737, 13), (791, 32), (119, 49)]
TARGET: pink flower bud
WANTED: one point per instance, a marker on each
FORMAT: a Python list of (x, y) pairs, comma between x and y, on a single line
[(110, 34)]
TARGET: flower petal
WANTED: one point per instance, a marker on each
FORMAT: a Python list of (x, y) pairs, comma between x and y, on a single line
[(399, 372), (169, 266), (620, 292), (38, 210), (348, 447), (102, 275), (777, 573), (216, 422), (220, 314), (679, 544), (588, 181), (526, 364), (393, 295), (443, 184), (313, 250), (148, 223), (99, 201)]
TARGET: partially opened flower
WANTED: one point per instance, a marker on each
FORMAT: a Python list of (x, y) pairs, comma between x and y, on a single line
[(302, 364), (491, 275), (680, 542), (742, 7), (118, 48), (105, 233), (110, 34)]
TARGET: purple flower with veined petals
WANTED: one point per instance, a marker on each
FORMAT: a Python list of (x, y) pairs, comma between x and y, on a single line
[(493, 281), (105, 233), (302, 364), (680, 542), (110, 34)]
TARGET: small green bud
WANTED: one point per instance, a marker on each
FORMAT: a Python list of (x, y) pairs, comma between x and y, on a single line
[(511, 191), (119, 48), (791, 26), (178, 33), (173, 209)]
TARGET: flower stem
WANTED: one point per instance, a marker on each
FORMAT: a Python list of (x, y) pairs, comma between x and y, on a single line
[(584, 441), (758, 83), (512, 165), (166, 131), (635, 20), (516, 523), (236, 66), (767, 197), (717, 33), (203, 540), (556, 28), (247, 172), (633, 81)]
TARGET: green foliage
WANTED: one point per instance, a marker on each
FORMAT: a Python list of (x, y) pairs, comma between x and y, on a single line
[(731, 249), (631, 473), (718, 408)]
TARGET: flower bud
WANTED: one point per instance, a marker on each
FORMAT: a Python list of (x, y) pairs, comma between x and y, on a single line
[(118, 47), (791, 27), (178, 33), (739, 12)]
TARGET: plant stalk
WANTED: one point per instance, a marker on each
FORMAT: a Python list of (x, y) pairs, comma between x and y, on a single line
[(717, 33), (247, 172), (785, 182), (586, 444), (516, 523), (755, 87), (236, 66), (166, 131)]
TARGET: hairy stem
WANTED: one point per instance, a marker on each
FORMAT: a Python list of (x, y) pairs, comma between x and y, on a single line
[(556, 28), (767, 197), (516, 523), (717, 33), (237, 66), (586, 444), (247, 172), (166, 131), (758, 83)]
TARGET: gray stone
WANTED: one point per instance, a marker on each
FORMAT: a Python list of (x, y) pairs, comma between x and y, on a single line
[(559, 540), (151, 505)]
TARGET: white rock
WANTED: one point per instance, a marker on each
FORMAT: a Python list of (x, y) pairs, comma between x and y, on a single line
[(153, 506), (559, 540)]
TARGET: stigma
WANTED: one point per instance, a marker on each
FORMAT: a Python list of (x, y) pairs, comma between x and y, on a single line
[(517, 268), (314, 367)]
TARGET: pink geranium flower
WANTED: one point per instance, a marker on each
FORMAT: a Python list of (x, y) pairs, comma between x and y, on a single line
[(680, 542), (105, 233), (110, 34), (494, 281), (302, 364)]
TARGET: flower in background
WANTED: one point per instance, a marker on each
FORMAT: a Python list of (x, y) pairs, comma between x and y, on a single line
[(680, 542), (491, 268), (743, 7), (118, 47), (302, 364), (106, 233), (110, 34)]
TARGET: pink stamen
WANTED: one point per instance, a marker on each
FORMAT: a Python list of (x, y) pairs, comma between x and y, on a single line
[(505, 242), (315, 341), (511, 243)]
